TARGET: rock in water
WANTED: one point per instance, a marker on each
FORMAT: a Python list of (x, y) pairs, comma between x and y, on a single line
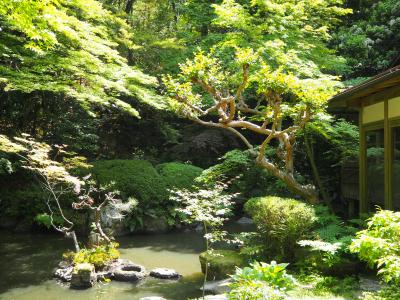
[(218, 287), (125, 270), (64, 273), (164, 273), (83, 276)]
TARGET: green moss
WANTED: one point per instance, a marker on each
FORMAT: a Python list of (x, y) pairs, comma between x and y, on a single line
[(137, 178), (221, 263), (178, 175)]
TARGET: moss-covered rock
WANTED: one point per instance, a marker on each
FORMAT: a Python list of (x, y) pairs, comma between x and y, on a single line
[(133, 178), (83, 276), (178, 175), (221, 263)]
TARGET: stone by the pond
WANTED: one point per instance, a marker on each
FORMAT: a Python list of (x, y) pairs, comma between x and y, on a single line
[(125, 270), (216, 297), (153, 298), (64, 273), (164, 273), (369, 285), (218, 287), (155, 225), (83, 276), (245, 221)]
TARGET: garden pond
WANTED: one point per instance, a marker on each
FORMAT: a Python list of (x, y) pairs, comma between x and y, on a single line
[(27, 262)]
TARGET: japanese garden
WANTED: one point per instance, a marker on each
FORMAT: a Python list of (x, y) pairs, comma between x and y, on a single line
[(191, 149)]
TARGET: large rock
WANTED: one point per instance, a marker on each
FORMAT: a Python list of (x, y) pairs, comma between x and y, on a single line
[(217, 287), (83, 276), (164, 273), (155, 225), (64, 272), (125, 270)]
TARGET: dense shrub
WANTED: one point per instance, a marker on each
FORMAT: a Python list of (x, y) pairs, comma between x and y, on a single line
[(97, 256), (178, 175), (250, 180), (281, 223), (133, 178), (329, 252), (379, 244)]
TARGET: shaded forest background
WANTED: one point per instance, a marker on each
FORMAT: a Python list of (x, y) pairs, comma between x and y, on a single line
[(64, 91)]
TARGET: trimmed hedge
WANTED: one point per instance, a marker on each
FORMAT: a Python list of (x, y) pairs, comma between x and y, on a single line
[(137, 178), (281, 222), (178, 175)]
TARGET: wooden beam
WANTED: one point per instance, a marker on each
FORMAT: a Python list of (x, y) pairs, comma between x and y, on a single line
[(388, 93)]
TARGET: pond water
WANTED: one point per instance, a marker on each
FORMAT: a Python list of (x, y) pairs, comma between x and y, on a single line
[(27, 263)]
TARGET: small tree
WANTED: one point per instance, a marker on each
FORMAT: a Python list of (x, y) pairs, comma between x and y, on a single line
[(278, 106), (56, 182), (52, 176), (210, 207)]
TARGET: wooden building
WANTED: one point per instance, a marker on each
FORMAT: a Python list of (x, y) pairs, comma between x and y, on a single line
[(377, 101)]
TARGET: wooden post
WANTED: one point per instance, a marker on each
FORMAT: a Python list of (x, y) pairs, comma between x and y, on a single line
[(388, 159), (362, 163)]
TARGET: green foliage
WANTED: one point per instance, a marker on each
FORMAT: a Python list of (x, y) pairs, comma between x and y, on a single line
[(133, 178), (335, 285), (343, 139), (246, 177), (81, 41), (261, 281), (178, 175), (329, 250), (46, 220), (97, 256), (379, 244), (386, 293), (281, 223), (140, 180), (369, 40)]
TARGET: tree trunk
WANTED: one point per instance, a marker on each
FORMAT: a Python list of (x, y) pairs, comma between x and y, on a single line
[(308, 192), (71, 234), (129, 6), (317, 177)]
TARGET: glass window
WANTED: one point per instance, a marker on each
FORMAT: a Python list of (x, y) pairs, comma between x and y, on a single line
[(396, 168), (375, 169)]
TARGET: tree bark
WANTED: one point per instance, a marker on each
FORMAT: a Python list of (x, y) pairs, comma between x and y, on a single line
[(307, 192), (129, 6), (317, 177)]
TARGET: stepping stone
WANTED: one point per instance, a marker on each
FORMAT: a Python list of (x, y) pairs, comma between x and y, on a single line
[(164, 273)]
